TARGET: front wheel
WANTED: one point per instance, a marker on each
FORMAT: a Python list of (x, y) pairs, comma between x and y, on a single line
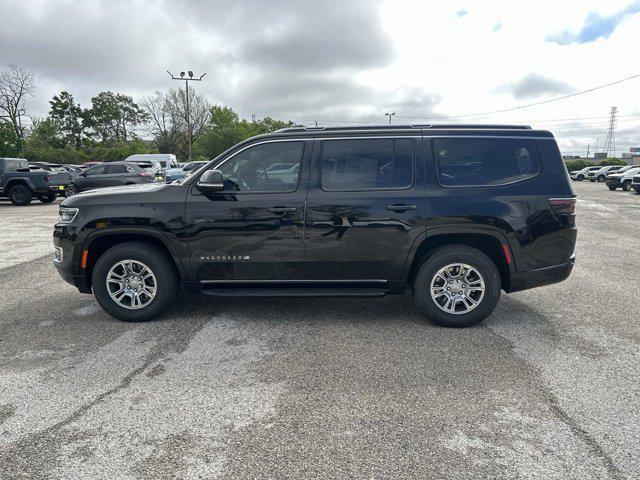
[(47, 197), (611, 187), (457, 286), (134, 282), (626, 186)]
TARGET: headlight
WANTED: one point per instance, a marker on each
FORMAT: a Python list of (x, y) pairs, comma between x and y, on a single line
[(67, 215)]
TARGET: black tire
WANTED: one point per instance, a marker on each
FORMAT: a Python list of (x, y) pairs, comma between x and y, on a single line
[(601, 178), (20, 195), (156, 260), (47, 197), (442, 257), (626, 185), (580, 178), (611, 187), (592, 179)]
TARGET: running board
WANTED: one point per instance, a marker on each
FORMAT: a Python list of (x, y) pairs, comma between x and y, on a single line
[(295, 292)]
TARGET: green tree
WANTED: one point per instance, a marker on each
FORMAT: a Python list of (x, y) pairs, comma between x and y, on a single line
[(9, 141), (225, 129), (113, 115), (70, 115)]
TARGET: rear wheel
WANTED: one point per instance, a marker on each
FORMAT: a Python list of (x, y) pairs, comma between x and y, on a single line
[(626, 185), (457, 286), (601, 178), (20, 195), (580, 178), (134, 282), (47, 197)]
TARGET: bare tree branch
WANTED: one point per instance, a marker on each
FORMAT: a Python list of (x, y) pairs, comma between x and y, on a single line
[(15, 85)]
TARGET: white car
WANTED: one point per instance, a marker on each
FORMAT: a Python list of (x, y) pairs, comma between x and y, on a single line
[(580, 175), (166, 160), (624, 179), (601, 174)]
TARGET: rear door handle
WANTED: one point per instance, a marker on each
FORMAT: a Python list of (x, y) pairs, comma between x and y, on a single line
[(401, 207), (282, 210)]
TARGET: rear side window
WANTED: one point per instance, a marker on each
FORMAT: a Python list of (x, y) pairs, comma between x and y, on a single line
[(485, 161), (367, 164), (15, 165), (116, 169)]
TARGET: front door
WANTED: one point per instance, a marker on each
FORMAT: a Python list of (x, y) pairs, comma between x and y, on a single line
[(365, 207), (253, 229)]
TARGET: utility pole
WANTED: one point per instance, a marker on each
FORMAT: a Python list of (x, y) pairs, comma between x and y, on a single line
[(610, 142), (588, 150), (597, 142), (390, 115), (188, 79)]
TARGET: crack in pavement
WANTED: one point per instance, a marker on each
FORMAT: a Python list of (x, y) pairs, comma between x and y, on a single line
[(43, 445), (579, 432)]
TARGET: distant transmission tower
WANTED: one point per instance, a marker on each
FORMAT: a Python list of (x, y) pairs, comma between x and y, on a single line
[(610, 142)]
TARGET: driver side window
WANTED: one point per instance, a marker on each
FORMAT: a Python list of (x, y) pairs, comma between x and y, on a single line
[(268, 167)]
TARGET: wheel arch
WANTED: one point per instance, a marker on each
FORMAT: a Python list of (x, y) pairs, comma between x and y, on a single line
[(98, 243), (27, 182), (489, 242)]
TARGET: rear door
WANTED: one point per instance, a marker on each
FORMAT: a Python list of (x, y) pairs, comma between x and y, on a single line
[(91, 178), (253, 229), (365, 207)]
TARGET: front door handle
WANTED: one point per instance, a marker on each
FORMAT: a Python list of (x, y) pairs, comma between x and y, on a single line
[(282, 210), (401, 207)]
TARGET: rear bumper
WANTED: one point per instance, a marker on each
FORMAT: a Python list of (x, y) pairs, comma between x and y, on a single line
[(540, 277)]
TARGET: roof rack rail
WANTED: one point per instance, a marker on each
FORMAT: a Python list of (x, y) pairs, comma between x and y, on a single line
[(453, 126)]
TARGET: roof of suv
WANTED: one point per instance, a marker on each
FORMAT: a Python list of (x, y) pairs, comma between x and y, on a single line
[(453, 129)]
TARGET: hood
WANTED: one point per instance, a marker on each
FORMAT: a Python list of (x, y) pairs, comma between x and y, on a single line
[(125, 194)]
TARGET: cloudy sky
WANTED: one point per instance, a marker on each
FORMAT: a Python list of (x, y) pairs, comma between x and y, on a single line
[(339, 62)]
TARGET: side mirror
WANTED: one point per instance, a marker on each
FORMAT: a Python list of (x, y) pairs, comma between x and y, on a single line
[(211, 181)]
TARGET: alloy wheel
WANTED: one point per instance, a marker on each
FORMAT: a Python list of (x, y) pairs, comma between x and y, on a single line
[(457, 288), (131, 284)]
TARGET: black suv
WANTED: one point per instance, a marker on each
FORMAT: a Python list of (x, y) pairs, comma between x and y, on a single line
[(453, 213)]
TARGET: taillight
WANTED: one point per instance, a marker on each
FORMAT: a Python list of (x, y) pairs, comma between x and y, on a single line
[(565, 206), (146, 174)]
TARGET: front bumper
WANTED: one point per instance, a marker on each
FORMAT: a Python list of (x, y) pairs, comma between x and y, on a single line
[(69, 265), (540, 277)]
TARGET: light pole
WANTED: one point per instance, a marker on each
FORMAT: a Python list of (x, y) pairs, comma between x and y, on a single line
[(390, 115), (188, 79)]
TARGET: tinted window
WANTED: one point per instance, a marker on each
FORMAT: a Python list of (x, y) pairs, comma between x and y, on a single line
[(97, 170), (116, 169), (14, 165), (250, 170), (367, 164), (485, 161)]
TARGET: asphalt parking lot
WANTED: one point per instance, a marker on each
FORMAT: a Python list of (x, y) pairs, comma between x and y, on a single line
[(547, 388)]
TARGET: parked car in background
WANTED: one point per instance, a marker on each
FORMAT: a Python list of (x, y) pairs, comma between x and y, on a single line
[(20, 183), (600, 175), (622, 179), (111, 174), (173, 174), (581, 174), (635, 182), (166, 160), (454, 214)]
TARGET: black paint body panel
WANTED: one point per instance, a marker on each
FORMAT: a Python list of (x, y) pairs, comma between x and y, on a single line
[(333, 236)]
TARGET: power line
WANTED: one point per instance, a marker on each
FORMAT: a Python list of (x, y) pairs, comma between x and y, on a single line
[(519, 107)]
